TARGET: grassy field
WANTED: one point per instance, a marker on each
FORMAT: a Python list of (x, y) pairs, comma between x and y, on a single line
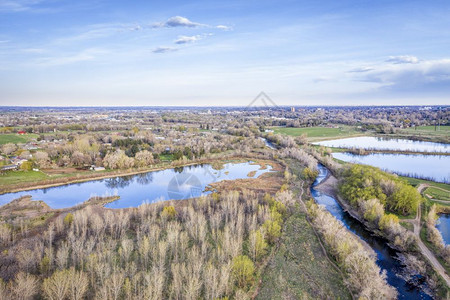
[(416, 182), (318, 133), (15, 177), (438, 193), (443, 129), (427, 133), (15, 138), (299, 269)]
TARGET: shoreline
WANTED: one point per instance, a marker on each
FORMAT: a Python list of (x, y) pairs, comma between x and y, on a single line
[(328, 187), (61, 181), (381, 151)]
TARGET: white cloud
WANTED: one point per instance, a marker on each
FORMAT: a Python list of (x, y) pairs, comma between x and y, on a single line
[(403, 59), (184, 39), (164, 49), (224, 27), (424, 76), (177, 21), (361, 70)]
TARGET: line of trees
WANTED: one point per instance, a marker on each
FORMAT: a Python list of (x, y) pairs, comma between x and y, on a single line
[(434, 236), (363, 276), (373, 193)]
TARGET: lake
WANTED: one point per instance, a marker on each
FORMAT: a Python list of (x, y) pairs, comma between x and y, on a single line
[(377, 143), (432, 167), (178, 183), (386, 257)]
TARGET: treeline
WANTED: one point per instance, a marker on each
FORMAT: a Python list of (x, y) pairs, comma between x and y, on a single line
[(210, 248), (376, 195), (434, 236), (363, 276), (361, 183)]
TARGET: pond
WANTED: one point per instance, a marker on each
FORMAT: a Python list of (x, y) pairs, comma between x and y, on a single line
[(443, 225), (386, 257), (178, 183), (377, 143), (431, 167)]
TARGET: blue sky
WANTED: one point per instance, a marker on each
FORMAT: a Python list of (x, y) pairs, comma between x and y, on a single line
[(224, 52)]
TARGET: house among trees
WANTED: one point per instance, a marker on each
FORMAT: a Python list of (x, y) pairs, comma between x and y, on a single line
[(21, 132)]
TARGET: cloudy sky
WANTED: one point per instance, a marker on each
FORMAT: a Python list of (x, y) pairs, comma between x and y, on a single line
[(94, 52)]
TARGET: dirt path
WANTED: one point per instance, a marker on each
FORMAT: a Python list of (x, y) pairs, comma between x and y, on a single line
[(424, 249), (423, 186)]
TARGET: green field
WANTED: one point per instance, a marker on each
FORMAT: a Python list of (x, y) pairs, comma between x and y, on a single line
[(427, 133), (300, 269), (438, 193), (318, 133), (15, 138), (416, 182), (429, 128), (14, 177)]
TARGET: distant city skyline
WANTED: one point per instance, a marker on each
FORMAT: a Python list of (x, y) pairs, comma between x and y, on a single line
[(211, 53)]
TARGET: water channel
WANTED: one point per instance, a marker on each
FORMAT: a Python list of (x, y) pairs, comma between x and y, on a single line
[(386, 257)]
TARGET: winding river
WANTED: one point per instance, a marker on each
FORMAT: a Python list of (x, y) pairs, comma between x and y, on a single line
[(386, 257)]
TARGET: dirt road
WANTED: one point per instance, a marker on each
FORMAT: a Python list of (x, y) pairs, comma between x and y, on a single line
[(424, 249)]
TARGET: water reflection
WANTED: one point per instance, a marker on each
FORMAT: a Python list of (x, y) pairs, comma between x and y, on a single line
[(378, 143), (443, 225), (136, 189), (119, 182), (431, 167)]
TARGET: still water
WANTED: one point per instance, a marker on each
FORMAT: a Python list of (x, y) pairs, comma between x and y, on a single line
[(443, 225), (432, 167), (178, 183), (377, 143), (386, 257)]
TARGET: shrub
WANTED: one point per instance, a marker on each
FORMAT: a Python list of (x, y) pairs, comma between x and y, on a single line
[(68, 219), (309, 174), (26, 166), (168, 212), (273, 230), (243, 270), (387, 221)]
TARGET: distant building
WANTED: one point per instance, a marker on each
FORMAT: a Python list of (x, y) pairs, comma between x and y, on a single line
[(292, 109), (21, 132), (9, 168)]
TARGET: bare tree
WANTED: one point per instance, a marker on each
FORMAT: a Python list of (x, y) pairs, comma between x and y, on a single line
[(9, 148), (56, 287), (24, 286)]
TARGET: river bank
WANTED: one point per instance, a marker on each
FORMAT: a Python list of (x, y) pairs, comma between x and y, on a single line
[(402, 274)]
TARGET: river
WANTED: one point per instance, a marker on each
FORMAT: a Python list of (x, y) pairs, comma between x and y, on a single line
[(386, 257)]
